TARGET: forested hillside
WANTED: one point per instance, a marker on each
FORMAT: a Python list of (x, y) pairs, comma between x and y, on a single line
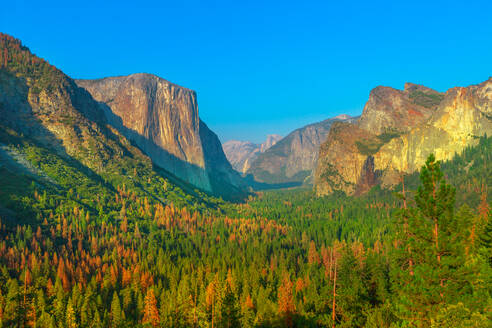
[(129, 248)]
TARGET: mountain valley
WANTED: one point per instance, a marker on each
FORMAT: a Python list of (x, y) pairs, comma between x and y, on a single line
[(120, 208)]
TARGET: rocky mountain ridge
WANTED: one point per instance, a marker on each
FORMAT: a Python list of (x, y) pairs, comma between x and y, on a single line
[(397, 131), (292, 159), (241, 153)]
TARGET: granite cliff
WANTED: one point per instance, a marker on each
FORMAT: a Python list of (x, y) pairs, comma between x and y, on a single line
[(241, 153), (41, 103), (162, 119), (292, 159), (397, 131)]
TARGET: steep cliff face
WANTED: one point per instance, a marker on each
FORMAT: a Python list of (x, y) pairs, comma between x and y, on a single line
[(292, 159), (463, 115), (223, 178), (376, 150), (340, 161), (391, 110), (241, 153), (162, 119)]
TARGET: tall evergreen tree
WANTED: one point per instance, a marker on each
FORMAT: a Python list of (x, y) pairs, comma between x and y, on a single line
[(117, 315), (230, 312), (70, 317), (441, 271), (486, 240), (13, 316)]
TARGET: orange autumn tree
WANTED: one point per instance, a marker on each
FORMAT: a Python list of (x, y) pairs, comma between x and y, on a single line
[(151, 313), (210, 297), (286, 306), (313, 257)]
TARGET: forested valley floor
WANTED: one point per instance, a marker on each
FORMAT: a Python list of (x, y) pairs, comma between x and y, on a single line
[(131, 249)]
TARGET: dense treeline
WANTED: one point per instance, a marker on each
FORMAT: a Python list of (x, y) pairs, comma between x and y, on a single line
[(282, 259)]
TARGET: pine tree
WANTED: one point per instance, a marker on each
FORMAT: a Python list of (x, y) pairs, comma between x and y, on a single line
[(2, 304), (70, 318), (151, 312), (31, 315), (352, 294), (117, 315), (46, 320), (486, 240), (230, 314), (5, 57), (211, 299), (59, 302), (97, 322), (439, 275), (13, 310), (313, 257), (247, 312), (483, 207), (459, 315), (286, 306)]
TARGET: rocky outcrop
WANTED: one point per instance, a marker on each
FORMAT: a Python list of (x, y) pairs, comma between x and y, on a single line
[(162, 119), (396, 133), (390, 110), (340, 161), (241, 153), (293, 158)]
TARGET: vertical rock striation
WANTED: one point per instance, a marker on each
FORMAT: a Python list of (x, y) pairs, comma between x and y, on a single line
[(162, 119), (396, 133)]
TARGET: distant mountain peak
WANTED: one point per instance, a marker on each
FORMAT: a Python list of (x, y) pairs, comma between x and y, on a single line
[(342, 117), (292, 159), (242, 153)]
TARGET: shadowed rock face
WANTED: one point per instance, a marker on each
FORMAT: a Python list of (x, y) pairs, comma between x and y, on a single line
[(241, 153), (391, 138), (293, 158), (40, 103), (223, 178), (63, 117), (162, 119)]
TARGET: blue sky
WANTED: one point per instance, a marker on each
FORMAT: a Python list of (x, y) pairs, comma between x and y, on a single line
[(262, 67)]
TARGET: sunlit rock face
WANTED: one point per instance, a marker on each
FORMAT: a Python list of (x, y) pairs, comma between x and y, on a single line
[(293, 158), (396, 133), (162, 119), (389, 110)]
